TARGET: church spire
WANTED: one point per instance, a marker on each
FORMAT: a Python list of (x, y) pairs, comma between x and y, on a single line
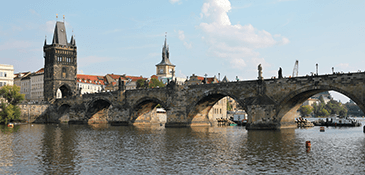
[(165, 53)]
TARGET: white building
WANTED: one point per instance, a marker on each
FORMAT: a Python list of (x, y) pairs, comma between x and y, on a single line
[(6, 75), (90, 83)]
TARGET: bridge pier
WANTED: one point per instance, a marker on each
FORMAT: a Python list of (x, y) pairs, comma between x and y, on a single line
[(263, 117)]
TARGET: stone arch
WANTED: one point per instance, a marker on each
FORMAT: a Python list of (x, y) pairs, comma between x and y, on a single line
[(197, 112), (144, 111), (289, 104), (97, 110), (65, 90), (63, 112)]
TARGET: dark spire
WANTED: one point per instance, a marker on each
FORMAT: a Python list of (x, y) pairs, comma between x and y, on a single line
[(59, 35), (73, 42), (45, 40), (165, 54)]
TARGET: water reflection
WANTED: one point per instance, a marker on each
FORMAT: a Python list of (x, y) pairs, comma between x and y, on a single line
[(58, 151), (101, 148)]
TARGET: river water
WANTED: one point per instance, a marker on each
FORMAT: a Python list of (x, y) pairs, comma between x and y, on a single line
[(105, 149)]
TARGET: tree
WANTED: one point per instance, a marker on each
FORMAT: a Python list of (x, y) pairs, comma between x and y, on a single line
[(140, 83), (305, 110), (156, 83), (10, 98), (229, 106)]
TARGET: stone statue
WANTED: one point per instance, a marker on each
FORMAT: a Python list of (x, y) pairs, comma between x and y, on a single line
[(260, 72), (280, 72)]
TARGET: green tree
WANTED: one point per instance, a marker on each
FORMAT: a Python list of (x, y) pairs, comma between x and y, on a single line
[(229, 106), (141, 83), (156, 83), (305, 110), (10, 98)]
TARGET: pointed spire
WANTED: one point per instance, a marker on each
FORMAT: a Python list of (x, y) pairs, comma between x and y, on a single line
[(45, 40), (72, 42), (165, 53), (59, 35)]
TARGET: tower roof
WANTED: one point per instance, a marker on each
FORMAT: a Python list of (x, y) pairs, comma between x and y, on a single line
[(59, 35), (165, 55)]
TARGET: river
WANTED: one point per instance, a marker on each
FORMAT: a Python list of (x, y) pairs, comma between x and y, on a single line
[(105, 149)]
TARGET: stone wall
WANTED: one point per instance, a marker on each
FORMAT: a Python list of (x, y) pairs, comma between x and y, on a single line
[(31, 112)]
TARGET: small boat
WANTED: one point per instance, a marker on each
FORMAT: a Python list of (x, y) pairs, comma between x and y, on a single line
[(10, 125), (337, 121), (303, 123)]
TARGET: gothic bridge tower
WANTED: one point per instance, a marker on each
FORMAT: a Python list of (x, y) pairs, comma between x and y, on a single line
[(165, 69), (60, 64)]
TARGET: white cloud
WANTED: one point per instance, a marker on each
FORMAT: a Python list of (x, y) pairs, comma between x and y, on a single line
[(49, 26), (175, 1), (237, 43), (182, 38)]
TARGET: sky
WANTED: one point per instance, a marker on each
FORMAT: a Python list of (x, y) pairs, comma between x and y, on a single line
[(205, 36)]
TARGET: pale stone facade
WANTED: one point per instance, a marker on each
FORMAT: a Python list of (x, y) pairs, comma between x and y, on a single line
[(6, 75), (36, 84), (219, 110), (25, 87)]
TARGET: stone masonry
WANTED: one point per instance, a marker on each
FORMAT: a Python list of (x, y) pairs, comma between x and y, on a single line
[(270, 103)]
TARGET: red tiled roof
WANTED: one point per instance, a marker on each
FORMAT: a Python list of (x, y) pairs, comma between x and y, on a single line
[(134, 78), (154, 76), (209, 79), (41, 70), (95, 79)]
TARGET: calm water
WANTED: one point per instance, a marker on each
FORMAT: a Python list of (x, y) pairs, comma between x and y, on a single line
[(104, 149)]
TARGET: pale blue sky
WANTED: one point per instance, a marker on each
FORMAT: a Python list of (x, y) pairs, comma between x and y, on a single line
[(205, 37)]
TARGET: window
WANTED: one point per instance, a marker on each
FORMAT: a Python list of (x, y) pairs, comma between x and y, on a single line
[(64, 75)]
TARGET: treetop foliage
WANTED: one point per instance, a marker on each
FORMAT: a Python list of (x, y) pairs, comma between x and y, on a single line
[(10, 98)]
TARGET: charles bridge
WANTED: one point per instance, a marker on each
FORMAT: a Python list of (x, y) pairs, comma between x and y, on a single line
[(269, 103)]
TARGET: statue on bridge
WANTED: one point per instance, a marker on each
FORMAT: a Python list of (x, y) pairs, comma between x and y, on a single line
[(280, 73), (260, 72)]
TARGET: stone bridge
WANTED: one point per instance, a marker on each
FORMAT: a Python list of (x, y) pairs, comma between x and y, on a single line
[(269, 103)]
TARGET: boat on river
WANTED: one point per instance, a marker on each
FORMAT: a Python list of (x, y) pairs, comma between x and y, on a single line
[(337, 121), (303, 123)]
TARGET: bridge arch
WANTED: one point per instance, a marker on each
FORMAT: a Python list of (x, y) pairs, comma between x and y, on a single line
[(289, 105), (63, 91), (63, 112), (97, 110), (144, 111), (197, 112)]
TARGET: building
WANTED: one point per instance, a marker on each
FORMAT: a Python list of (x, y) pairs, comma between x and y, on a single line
[(6, 74), (165, 70), (89, 84), (18, 77), (316, 98), (195, 80), (311, 101), (219, 110), (60, 65), (25, 87), (130, 82), (36, 85)]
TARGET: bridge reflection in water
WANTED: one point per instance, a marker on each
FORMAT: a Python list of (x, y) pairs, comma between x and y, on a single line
[(269, 103), (105, 149)]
